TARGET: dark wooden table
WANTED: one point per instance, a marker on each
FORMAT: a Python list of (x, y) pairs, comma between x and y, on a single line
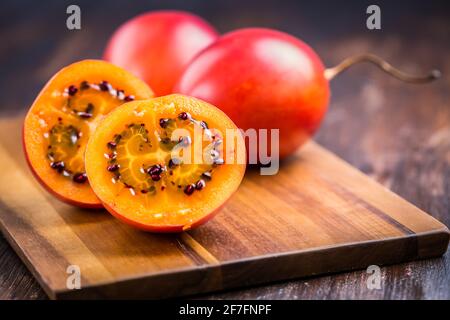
[(397, 133)]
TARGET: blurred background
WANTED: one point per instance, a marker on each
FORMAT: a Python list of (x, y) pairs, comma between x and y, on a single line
[(36, 43), (395, 132)]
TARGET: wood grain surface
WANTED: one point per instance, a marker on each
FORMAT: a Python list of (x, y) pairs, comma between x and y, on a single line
[(317, 215), (398, 134)]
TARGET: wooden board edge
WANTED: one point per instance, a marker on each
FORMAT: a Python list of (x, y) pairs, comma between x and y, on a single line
[(27, 261), (313, 146), (260, 270)]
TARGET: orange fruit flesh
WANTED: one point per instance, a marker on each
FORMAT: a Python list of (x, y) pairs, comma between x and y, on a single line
[(133, 169), (62, 118)]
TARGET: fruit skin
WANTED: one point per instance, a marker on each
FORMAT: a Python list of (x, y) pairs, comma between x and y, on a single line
[(79, 195), (157, 46), (128, 209), (163, 228), (262, 79), (85, 205)]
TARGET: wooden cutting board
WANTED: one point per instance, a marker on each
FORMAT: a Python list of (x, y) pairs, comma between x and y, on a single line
[(318, 215)]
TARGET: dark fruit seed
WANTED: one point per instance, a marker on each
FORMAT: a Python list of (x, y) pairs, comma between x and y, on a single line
[(84, 115), (200, 185), (112, 155), (207, 175), (128, 98), (190, 188), (72, 90), (156, 177), (155, 170), (84, 85), (111, 144), (113, 167), (54, 165), (183, 116), (172, 163), (90, 108), (59, 165), (80, 178), (144, 191), (104, 86), (120, 94), (163, 123)]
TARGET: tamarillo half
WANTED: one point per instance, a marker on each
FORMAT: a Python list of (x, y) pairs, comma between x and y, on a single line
[(166, 164), (63, 116)]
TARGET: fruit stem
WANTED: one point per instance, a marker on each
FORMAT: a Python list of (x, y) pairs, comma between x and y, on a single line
[(331, 73)]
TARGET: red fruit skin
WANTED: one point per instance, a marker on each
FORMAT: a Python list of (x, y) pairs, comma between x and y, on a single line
[(158, 45), (262, 79)]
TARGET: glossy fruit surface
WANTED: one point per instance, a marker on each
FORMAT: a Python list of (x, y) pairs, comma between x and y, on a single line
[(165, 164), (262, 79), (157, 46), (61, 119)]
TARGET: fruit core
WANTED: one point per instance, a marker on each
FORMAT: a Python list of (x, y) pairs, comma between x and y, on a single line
[(148, 164)]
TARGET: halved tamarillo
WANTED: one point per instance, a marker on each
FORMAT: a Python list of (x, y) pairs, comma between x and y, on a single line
[(166, 164), (63, 116)]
